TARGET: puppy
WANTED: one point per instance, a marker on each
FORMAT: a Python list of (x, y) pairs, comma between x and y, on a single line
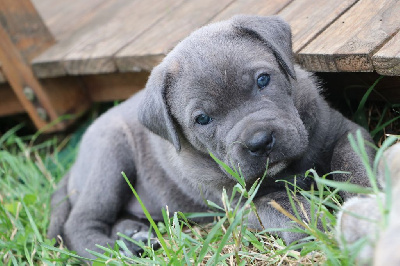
[(230, 88)]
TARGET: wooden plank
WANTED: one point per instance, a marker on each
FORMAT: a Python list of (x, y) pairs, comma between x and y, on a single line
[(9, 103), (116, 86), (39, 105), (252, 7), (95, 54), (57, 14), (68, 96), (50, 63), (308, 18), (348, 44), (90, 50), (25, 27), (148, 50), (387, 60)]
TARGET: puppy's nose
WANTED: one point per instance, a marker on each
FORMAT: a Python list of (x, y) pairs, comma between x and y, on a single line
[(261, 143)]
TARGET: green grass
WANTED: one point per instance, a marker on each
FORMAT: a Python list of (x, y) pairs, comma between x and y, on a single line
[(29, 172), (28, 175)]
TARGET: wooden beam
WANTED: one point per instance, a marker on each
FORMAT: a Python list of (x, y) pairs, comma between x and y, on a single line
[(9, 103), (111, 87)]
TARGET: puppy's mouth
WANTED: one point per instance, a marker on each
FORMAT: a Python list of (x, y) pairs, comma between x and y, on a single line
[(275, 168)]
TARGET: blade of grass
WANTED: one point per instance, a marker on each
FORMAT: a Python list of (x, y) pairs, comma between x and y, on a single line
[(229, 170), (148, 216), (32, 223)]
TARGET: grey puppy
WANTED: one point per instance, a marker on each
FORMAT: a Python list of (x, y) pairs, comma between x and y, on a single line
[(230, 88)]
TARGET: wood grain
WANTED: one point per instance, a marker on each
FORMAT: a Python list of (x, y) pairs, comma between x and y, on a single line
[(348, 44), (95, 53), (309, 18), (252, 7), (25, 27), (50, 63), (65, 17), (90, 49), (148, 50), (387, 60), (117, 86)]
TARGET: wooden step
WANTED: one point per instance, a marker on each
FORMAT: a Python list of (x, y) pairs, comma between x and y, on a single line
[(150, 48), (387, 60), (349, 44), (328, 35)]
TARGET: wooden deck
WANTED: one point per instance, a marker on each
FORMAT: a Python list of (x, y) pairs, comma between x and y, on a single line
[(108, 42), (127, 35)]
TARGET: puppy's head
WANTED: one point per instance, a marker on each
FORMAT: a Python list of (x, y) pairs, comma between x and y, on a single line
[(227, 89)]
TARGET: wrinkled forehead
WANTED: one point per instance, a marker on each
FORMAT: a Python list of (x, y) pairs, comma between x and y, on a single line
[(212, 66), (222, 54)]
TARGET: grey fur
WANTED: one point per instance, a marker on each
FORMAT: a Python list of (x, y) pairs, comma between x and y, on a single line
[(154, 139)]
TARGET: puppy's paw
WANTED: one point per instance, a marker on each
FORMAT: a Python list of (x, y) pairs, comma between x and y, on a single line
[(141, 237), (359, 219)]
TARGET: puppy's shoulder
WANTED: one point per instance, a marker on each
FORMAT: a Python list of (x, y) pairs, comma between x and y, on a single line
[(119, 119)]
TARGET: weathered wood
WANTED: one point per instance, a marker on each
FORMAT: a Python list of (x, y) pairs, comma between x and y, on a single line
[(348, 44), (308, 18), (252, 7), (121, 30), (95, 55), (111, 87), (40, 106), (148, 50), (68, 96), (20, 77), (65, 17), (91, 49), (9, 103), (387, 60), (25, 27), (50, 63)]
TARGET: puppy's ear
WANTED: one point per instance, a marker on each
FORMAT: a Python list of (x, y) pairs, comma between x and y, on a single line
[(274, 32), (153, 111)]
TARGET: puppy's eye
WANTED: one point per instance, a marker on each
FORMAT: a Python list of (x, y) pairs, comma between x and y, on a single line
[(263, 81), (203, 119)]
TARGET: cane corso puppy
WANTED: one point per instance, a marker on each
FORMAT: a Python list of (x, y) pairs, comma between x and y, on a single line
[(230, 88)]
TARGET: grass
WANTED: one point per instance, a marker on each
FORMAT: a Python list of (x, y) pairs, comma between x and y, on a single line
[(29, 173)]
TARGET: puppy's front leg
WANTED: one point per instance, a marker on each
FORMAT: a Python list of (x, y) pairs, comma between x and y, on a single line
[(344, 158)]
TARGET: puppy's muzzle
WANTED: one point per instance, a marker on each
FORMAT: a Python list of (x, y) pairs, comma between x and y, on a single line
[(260, 143)]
